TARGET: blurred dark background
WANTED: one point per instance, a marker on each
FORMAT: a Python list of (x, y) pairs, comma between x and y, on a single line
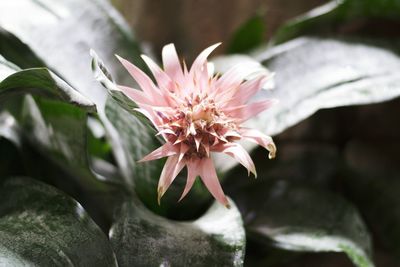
[(193, 24)]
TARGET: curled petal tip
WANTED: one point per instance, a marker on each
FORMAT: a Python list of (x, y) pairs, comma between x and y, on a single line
[(272, 150), (253, 171), (160, 193), (227, 204)]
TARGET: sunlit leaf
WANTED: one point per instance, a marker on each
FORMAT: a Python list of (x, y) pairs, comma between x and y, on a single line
[(308, 79)]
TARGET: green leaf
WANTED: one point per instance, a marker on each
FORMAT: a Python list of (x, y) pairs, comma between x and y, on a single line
[(6, 68), (42, 226), (42, 81), (138, 139), (10, 158), (104, 77), (248, 36), (335, 14), (308, 80), (141, 238), (289, 205), (54, 124), (297, 218), (301, 219), (12, 48), (97, 144), (61, 38)]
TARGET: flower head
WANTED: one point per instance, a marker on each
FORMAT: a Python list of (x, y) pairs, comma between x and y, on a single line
[(197, 113)]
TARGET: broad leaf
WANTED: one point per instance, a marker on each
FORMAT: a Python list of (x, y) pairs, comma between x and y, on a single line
[(12, 48), (6, 68), (42, 81), (301, 219), (55, 126), (59, 128), (61, 34), (335, 15), (60, 131), (141, 238), (285, 213), (42, 226), (308, 78)]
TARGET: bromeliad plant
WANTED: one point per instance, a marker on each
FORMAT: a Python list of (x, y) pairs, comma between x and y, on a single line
[(72, 192), (197, 114)]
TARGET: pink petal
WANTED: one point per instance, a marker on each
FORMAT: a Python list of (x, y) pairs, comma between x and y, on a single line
[(183, 149), (163, 80), (165, 150), (149, 114), (165, 131), (199, 63), (192, 172), (247, 90), (145, 83), (171, 169), (246, 112), (261, 139), (136, 95), (197, 140), (237, 152), (210, 179), (172, 65), (227, 84)]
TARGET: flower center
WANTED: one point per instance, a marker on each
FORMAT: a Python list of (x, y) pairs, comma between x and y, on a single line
[(200, 126)]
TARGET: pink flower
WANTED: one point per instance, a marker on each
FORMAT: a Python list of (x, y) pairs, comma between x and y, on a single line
[(197, 114)]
